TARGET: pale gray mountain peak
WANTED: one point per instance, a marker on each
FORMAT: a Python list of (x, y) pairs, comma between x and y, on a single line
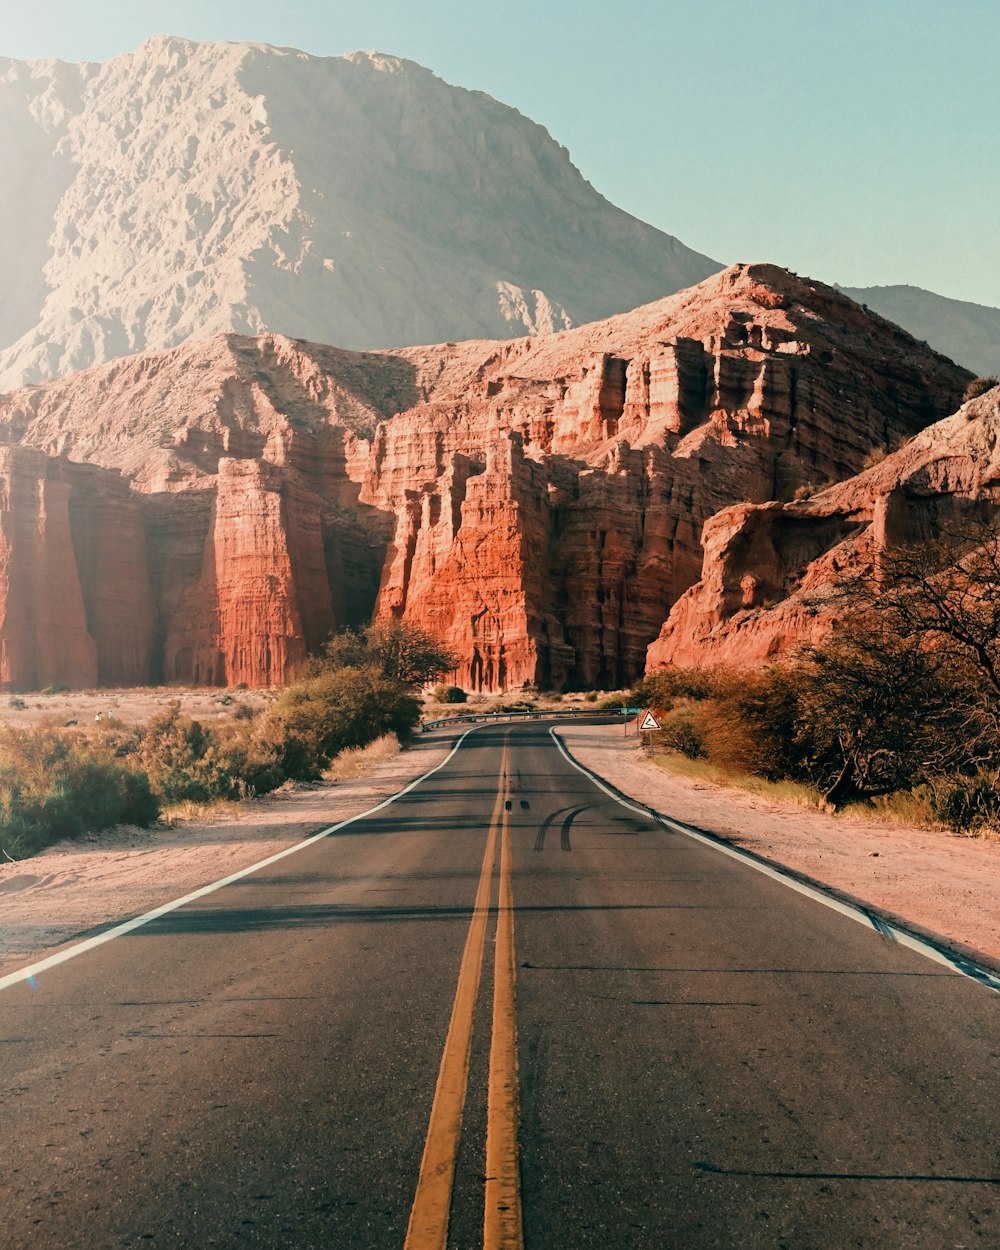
[(188, 189)]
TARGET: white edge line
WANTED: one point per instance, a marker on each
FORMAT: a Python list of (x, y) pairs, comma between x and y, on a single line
[(967, 967), (128, 926)]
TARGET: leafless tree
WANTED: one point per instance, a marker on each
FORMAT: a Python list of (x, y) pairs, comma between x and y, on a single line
[(945, 592)]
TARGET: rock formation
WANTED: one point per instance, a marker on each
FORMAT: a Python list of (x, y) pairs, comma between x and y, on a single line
[(769, 569), (537, 503), (75, 602), (190, 189)]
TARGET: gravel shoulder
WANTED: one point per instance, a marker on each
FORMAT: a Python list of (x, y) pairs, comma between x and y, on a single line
[(73, 887), (930, 881)]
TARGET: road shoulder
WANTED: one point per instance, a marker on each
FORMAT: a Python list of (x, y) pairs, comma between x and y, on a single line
[(932, 882)]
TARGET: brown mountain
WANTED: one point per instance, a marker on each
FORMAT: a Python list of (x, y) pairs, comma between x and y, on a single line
[(210, 513)]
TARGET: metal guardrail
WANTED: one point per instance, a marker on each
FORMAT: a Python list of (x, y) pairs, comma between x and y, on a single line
[(529, 714)]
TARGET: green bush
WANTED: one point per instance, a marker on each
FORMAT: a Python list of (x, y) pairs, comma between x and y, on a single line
[(449, 694), (176, 753), (188, 762), (56, 785), (250, 756), (349, 707)]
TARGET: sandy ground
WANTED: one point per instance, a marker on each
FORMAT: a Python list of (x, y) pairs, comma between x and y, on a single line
[(931, 881), (135, 705), (72, 887), (131, 706)]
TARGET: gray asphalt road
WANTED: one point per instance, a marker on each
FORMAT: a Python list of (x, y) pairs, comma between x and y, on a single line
[(705, 1058)]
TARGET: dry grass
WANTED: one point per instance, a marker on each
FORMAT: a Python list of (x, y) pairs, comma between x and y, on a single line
[(189, 812), (356, 761), (912, 810), (903, 809), (795, 792)]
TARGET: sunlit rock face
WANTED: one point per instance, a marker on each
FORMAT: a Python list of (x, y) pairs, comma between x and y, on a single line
[(770, 570), (191, 189), (536, 503)]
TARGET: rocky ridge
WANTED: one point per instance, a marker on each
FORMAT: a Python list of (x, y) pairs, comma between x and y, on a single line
[(769, 569), (537, 503)]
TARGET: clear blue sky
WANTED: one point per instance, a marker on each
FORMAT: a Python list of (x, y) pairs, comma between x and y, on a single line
[(857, 141)]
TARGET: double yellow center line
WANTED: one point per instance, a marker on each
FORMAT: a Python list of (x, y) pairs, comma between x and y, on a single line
[(502, 1223)]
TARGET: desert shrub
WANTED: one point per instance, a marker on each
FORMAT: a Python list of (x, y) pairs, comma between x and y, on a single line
[(967, 803), (519, 705), (752, 725), (242, 758), (661, 688), (613, 703), (176, 754), (397, 650), (874, 457), (323, 715), (681, 730), (979, 386), (55, 785), (449, 694), (189, 762)]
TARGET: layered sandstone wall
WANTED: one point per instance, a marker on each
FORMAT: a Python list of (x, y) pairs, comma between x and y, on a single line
[(537, 504), (770, 571), (43, 628), (108, 532)]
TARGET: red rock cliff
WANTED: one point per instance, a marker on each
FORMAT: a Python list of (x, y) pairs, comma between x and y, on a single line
[(537, 503), (75, 602), (769, 569)]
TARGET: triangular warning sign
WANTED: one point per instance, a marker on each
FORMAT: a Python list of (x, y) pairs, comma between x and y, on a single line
[(648, 721)]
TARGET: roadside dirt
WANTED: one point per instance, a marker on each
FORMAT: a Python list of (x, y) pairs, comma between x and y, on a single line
[(933, 882)]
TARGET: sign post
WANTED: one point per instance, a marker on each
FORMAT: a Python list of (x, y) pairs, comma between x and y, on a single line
[(626, 713)]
